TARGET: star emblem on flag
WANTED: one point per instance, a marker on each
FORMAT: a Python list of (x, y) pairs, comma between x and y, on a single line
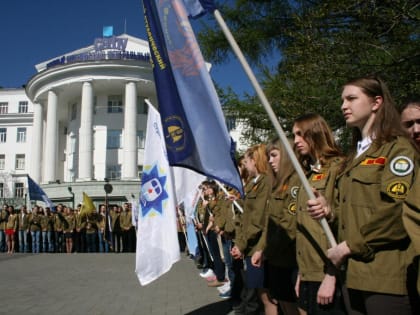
[(153, 192)]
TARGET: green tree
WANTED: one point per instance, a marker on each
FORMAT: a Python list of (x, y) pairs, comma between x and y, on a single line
[(321, 45)]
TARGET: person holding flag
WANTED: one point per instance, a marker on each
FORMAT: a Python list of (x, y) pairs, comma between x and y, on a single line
[(316, 287), (376, 189)]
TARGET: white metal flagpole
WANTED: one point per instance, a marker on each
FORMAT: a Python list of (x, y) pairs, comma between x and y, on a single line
[(273, 119)]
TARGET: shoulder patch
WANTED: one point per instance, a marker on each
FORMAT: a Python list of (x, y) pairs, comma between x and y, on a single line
[(397, 189), (317, 177), (294, 191), (291, 208), (378, 161), (401, 165)]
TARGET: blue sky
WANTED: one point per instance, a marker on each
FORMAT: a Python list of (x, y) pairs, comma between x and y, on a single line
[(33, 31)]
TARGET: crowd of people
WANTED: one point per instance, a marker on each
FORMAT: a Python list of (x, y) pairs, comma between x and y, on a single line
[(67, 230), (267, 251)]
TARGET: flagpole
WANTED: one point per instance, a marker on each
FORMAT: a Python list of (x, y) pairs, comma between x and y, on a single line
[(227, 194), (273, 119)]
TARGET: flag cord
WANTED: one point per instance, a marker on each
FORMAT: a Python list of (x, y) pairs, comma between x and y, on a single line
[(273, 119)]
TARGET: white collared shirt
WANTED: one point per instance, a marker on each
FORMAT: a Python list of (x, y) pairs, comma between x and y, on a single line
[(363, 145)]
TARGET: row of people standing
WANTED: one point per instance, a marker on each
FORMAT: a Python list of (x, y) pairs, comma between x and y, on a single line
[(369, 199), (67, 230)]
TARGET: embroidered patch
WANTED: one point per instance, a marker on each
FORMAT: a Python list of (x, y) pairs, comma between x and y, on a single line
[(294, 191), (378, 161), (401, 166), (292, 208), (397, 189), (317, 177)]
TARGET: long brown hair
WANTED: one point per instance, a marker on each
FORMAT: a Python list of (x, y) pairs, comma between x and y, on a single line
[(386, 125), (318, 135), (286, 169)]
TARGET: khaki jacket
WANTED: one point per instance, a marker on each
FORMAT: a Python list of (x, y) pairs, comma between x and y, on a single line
[(311, 241), (12, 222), (125, 220), (257, 193), (23, 220), (372, 190), (280, 232)]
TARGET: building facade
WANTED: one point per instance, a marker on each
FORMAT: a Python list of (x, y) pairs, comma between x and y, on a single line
[(83, 125), (78, 124)]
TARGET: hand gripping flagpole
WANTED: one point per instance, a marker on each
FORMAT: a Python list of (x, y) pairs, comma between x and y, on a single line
[(273, 119), (227, 194)]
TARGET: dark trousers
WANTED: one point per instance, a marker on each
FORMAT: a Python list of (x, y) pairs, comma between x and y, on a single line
[(219, 266), (91, 242), (79, 239), (372, 303), (127, 241), (117, 237)]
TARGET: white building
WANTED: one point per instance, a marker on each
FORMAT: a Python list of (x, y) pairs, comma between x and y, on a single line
[(79, 123), (85, 123)]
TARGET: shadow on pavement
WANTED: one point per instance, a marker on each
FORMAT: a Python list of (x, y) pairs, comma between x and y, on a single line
[(219, 308)]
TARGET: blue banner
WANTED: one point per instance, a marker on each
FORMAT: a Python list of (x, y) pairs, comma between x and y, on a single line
[(36, 193), (195, 131)]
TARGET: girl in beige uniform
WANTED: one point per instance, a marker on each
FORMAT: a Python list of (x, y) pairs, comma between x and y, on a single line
[(280, 231), (248, 235), (376, 180), (320, 156)]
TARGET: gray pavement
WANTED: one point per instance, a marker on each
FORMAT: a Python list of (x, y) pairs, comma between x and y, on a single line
[(101, 284)]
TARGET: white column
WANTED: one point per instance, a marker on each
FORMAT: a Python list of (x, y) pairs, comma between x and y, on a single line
[(129, 167), (36, 154), (86, 133), (51, 139)]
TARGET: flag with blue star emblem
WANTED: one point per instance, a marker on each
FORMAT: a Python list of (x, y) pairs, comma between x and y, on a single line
[(157, 237), (194, 127)]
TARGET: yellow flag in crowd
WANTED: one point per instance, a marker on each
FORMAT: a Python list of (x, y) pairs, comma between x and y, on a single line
[(87, 207)]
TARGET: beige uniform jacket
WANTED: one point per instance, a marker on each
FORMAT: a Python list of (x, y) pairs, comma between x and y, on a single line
[(257, 193), (12, 222), (311, 240), (372, 190), (23, 220), (280, 232)]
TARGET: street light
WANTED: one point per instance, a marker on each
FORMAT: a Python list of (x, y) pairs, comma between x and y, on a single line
[(108, 190), (72, 196)]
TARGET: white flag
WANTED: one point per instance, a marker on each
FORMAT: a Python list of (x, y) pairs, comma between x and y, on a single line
[(187, 184), (157, 239)]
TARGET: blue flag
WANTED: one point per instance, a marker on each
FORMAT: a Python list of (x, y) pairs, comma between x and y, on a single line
[(195, 131), (197, 8), (36, 193)]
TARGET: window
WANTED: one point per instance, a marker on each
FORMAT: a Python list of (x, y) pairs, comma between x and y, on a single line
[(23, 107), (115, 104), (4, 108), (20, 161), (140, 170), (21, 135), (142, 107), (1, 190), (19, 190), (113, 140), (230, 123), (73, 111), (2, 161), (3, 134), (113, 171), (140, 139)]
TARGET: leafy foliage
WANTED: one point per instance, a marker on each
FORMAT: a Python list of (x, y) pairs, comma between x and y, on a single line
[(322, 44)]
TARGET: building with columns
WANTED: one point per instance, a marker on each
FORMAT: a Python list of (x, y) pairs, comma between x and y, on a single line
[(86, 121), (79, 124)]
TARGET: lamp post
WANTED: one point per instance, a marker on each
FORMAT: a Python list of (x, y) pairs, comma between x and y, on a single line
[(108, 190), (72, 196)]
